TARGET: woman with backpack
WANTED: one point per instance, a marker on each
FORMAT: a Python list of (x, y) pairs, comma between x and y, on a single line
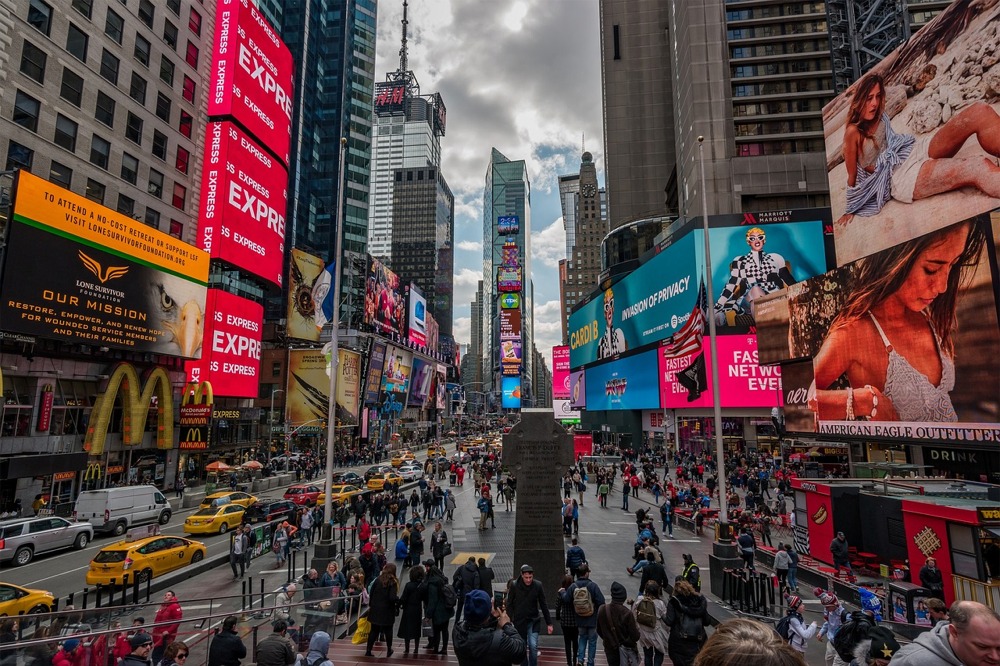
[(649, 610), (793, 628), (382, 606), (567, 620), (687, 615)]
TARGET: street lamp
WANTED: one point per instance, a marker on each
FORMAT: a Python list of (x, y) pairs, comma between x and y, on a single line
[(270, 424)]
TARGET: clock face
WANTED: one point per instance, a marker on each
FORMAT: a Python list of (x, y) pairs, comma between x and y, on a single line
[(589, 190)]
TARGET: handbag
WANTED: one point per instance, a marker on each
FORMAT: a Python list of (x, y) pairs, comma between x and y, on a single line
[(427, 628), (446, 549), (628, 656), (361, 633)]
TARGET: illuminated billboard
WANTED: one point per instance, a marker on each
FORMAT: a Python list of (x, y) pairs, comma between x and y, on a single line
[(686, 381), (384, 302), (510, 301), (578, 389), (303, 269), (560, 372), (309, 387), (509, 273), (231, 356), (416, 327), (510, 352), (563, 411), (244, 197), (510, 388), (510, 324), (390, 97), (909, 146), (421, 382), (373, 379), (398, 366), (508, 225), (627, 383), (79, 272), (252, 75)]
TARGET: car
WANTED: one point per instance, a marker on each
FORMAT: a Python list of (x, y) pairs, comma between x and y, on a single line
[(433, 451), (461, 458), (21, 539), (388, 478), (376, 470), (303, 494), (410, 472), (399, 457), (214, 519), (224, 498), (143, 559), (339, 493), (268, 510), (117, 510), (15, 600), (349, 478), (290, 457)]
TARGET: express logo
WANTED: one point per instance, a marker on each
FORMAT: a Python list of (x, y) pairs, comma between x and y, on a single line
[(102, 274), (616, 387)]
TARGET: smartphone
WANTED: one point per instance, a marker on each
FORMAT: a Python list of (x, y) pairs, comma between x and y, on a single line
[(498, 600)]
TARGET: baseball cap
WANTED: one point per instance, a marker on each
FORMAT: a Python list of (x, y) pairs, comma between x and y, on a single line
[(526, 568), (139, 639)]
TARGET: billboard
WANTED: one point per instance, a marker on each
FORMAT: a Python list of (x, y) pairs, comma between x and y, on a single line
[(578, 390), (510, 352), (421, 382), (390, 97), (384, 302), (508, 225), (397, 369), (908, 146), (79, 272), (231, 356), (510, 301), (252, 75), (441, 385), (560, 372), (627, 383), (309, 387), (416, 322), (686, 381), (509, 272), (903, 343), (510, 388), (510, 324), (303, 269), (562, 410), (373, 381), (244, 197)]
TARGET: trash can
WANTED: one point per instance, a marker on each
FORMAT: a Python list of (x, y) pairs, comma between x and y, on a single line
[(907, 602)]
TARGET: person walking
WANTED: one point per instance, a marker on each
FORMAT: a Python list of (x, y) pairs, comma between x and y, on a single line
[(781, 563), (747, 546), (237, 553), (841, 554), (411, 603), (486, 576), (484, 511), (687, 615), (382, 605), (486, 637), (527, 608), (439, 545), (465, 580), (799, 633), (227, 648), (793, 568), (650, 611), (584, 597), (617, 626), (437, 608), (575, 557), (567, 622), (171, 613), (652, 572)]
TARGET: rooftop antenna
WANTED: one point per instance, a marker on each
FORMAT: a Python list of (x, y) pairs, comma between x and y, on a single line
[(583, 141), (402, 50), (403, 74)]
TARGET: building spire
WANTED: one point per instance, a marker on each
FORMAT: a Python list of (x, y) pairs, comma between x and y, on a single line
[(403, 74), (402, 50)]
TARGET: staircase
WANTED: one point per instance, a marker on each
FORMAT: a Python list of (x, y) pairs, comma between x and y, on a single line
[(345, 653)]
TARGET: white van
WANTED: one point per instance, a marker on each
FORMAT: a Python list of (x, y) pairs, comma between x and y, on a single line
[(115, 510)]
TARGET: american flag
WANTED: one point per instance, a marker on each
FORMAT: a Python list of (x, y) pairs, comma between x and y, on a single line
[(688, 340)]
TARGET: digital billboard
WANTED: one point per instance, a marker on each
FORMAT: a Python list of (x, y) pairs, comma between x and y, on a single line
[(904, 343), (508, 225), (398, 366), (578, 389), (510, 388), (441, 385), (376, 364), (909, 146), (563, 411), (509, 273), (510, 324), (686, 381), (244, 197), (309, 387), (79, 272), (627, 383), (421, 381), (390, 97), (384, 302), (252, 75), (303, 269), (510, 301), (231, 350), (510, 352), (416, 327), (560, 372)]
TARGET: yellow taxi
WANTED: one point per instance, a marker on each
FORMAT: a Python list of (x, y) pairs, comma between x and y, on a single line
[(143, 558), (379, 482), (224, 498), (435, 451), (214, 519), (15, 600), (338, 493), (399, 457)]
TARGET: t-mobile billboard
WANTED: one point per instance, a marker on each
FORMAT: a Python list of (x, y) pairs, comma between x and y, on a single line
[(230, 357), (244, 196), (252, 80)]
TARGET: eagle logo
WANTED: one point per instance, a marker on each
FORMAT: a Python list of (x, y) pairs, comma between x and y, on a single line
[(103, 274)]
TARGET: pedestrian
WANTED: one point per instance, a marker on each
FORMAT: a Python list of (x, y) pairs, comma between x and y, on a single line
[(319, 648), (617, 626), (70, 654), (930, 578), (382, 605), (437, 608), (163, 635), (227, 648), (781, 563), (652, 572), (465, 580), (667, 517), (603, 490), (833, 617), (487, 636), (747, 546), (650, 615), (575, 557), (625, 493), (486, 576), (584, 598), (745, 641), (142, 646), (484, 511), (305, 525), (237, 552), (799, 634), (176, 654), (972, 636), (841, 554), (411, 603), (793, 568), (449, 504), (279, 545), (276, 649), (440, 545), (179, 487), (527, 609), (936, 611), (567, 517), (416, 542), (687, 615), (567, 621), (691, 572)]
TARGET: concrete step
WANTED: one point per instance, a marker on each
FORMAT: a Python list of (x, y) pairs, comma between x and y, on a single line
[(345, 653)]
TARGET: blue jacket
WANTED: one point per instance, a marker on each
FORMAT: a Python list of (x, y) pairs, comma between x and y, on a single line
[(596, 598), (402, 550)]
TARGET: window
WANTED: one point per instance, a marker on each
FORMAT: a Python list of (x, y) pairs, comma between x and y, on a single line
[(133, 128), (72, 87), (76, 43), (95, 191), (176, 228), (26, 110), (194, 22), (109, 67), (180, 196), (105, 109), (155, 183), (40, 16), (137, 89), (192, 54), (174, 6), (616, 38), (85, 7), (33, 62), (60, 174), (114, 26), (160, 145), (186, 124), (152, 218), (189, 87), (146, 12), (183, 158), (65, 134), (100, 150), (166, 70), (141, 51), (163, 107), (170, 34), (126, 205), (130, 168), (18, 156)]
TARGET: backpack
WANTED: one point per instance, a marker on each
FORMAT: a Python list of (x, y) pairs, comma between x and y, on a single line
[(689, 626), (855, 628), (645, 612), (583, 605), (449, 596), (784, 627)]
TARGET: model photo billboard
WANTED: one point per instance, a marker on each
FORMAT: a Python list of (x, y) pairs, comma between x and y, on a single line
[(231, 356), (309, 387), (627, 383), (398, 368), (416, 321), (384, 302), (303, 269), (560, 372), (578, 389), (79, 272), (376, 365), (421, 382)]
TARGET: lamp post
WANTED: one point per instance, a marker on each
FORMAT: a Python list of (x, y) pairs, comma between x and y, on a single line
[(270, 425)]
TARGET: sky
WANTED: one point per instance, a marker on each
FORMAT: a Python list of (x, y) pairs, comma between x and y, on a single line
[(523, 77)]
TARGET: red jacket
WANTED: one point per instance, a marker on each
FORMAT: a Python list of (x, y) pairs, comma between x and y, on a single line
[(122, 647), (167, 633), (63, 658)]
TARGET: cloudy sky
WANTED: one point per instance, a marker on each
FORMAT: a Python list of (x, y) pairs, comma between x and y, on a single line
[(522, 76)]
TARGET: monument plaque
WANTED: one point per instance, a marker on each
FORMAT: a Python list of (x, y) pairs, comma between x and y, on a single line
[(538, 451)]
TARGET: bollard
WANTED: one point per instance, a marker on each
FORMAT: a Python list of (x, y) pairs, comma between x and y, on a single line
[(261, 603), (149, 582), (69, 599), (243, 595), (135, 591), (97, 595), (55, 605), (86, 592)]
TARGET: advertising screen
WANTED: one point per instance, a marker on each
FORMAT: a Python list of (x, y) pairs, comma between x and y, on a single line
[(376, 364), (627, 383), (578, 390), (384, 302), (441, 385), (416, 328), (904, 343), (390, 97), (560, 372), (79, 272), (510, 324), (510, 301), (303, 269), (686, 381), (309, 388), (244, 197), (421, 382), (398, 366), (510, 388), (231, 350), (931, 102), (252, 75), (510, 352), (508, 225), (562, 410)]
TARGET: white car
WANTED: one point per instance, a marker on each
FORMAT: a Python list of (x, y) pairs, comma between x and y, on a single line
[(410, 472)]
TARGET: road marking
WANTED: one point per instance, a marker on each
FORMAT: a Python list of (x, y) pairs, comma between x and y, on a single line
[(601, 533), (199, 606), (668, 540), (61, 573), (612, 522)]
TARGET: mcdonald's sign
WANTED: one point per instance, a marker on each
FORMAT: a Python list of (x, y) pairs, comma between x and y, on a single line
[(196, 415), (124, 381), (93, 472)]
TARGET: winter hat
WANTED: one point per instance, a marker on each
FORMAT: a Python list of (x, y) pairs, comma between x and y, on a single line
[(618, 592), (825, 597), (477, 607), (871, 603), (71, 644), (139, 639), (883, 647), (793, 601)]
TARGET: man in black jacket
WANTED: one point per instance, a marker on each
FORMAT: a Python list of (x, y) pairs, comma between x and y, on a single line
[(276, 649), (465, 580), (487, 637), (227, 647), (525, 598), (486, 577), (652, 571)]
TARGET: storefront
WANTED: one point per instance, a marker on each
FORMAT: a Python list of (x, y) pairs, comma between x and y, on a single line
[(981, 464)]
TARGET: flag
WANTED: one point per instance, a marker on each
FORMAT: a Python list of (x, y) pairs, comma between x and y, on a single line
[(688, 339), (693, 378), (322, 295)]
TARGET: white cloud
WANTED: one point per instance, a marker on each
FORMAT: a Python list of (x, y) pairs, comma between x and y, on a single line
[(548, 329), (548, 245), (462, 329), (466, 282), (470, 246)]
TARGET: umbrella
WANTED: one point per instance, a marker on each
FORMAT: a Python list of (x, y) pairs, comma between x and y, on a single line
[(217, 466), (452, 433), (252, 464)]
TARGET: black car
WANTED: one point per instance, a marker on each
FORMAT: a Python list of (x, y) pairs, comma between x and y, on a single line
[(376, 470), (348, 478), (268, 510)]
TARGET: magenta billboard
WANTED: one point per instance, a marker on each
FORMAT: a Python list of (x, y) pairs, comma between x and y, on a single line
[(560, 373), (687, 382)]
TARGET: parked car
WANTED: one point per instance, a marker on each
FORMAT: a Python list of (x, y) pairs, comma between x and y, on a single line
[(143, 558), (214, 519), (268, 510), (224, 498), (22, 539), (410, 472), (15, 600), (303, 494), (116, 510), (339, 493)]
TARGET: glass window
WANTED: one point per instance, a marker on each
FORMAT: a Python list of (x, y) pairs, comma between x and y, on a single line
[(194, 22), (100, 150), (71, 89), (26, 110), (114, 26), (170, 34), (163, 107), (18, 156), (166, 70), (186, 124), (60, 174), (95, 191), (137, 88), (109, 66), (174, 6), (130, 168), (33, 62), (65, 134), (40, 16), (126, 205), (189, 88), (105, 109), (85, 7), (155, 183), (183, 159), (152, 218), (176, 228), (141, 51), (180, 196), (133, 128), (160, 145), (76, 43), (146, 12), (192, 55)]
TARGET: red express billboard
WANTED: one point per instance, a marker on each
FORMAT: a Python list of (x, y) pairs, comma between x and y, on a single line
[(253, 72), (244, 197), (230, 356)]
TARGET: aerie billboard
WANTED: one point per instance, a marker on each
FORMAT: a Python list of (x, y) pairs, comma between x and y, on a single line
[(231, 351)]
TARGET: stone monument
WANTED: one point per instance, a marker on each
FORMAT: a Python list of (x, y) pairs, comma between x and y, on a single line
[(538, 451)]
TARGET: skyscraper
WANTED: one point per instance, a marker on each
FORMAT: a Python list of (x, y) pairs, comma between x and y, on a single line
[(585, 226)]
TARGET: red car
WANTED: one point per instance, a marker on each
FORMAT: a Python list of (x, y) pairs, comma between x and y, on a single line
[(304, 494)]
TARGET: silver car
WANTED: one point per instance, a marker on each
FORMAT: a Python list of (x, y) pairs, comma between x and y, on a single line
[(410, 472), (23, 538)]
